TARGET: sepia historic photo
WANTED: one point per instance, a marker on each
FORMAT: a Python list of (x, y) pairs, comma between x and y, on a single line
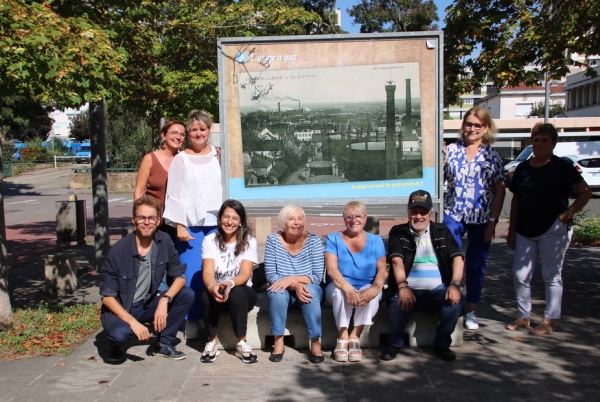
[(331, 125)]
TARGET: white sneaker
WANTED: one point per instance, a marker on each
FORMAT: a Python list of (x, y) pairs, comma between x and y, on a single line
[(471, 321), (244, 351), (191, 330), (211, 351)]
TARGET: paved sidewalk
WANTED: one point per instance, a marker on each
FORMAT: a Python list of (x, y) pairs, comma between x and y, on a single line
[(492, 365)]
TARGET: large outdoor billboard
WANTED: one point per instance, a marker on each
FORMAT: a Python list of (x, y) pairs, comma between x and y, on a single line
[(328, 119)]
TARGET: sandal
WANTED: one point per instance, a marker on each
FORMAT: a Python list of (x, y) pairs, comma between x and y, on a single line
[(354, 351), (518, 324), (543, 328), (340, 353)]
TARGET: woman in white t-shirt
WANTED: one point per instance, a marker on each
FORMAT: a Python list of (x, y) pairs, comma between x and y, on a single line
[(228, 256)]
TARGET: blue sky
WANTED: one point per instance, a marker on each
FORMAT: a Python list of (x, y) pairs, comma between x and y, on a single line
[(348, 26)]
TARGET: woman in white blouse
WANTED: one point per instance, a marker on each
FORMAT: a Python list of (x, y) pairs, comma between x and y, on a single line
[(194, 196), (228, 257)]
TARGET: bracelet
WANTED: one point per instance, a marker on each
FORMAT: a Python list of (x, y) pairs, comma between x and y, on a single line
[(232, 283), (399, 283), (403, 287)]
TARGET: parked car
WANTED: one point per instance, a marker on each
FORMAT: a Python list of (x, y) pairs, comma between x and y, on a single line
[(84, 153), (561, 149), (589, 168)]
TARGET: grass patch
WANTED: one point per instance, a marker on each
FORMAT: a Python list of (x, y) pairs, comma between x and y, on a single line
[(586, 232), (48, 330)]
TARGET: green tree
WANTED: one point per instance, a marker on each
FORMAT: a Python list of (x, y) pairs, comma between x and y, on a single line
[(80, 126), (62, 61), (325, 9), (24, 118), (395, 15), (539, 108), (159, 58), (497, 39), (128, 136)]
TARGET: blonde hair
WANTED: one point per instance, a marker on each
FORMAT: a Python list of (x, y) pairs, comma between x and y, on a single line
[(199, 116), (357, 205), (486, 119), (286, 212)]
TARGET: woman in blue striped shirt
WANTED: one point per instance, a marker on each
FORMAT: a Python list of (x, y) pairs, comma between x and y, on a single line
[(294, 266)]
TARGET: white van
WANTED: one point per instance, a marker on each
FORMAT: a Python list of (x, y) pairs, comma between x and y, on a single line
[(561, 149)]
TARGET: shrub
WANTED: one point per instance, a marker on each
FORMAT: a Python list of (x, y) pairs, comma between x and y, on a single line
[(34, 153), (8, 149), (586, 231)]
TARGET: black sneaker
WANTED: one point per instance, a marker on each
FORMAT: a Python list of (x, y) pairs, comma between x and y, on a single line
[(444, 353), (389, 353), (115, 353), (167, 351), (211, 351), (244, 352)]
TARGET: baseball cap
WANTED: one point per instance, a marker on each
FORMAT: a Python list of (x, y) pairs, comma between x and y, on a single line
[(420, 198)]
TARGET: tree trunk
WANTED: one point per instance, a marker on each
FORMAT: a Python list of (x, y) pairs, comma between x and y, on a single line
[(6, 313), (99, 187)]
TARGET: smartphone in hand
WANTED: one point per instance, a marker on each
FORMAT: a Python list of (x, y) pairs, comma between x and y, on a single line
[(224, 290)]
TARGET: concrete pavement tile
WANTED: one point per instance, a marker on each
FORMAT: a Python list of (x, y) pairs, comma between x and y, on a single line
[(562, 392), (293, 382), (228, 365), (29, 368), (232, 388), (11, 387), (154, 378), (46, 392)]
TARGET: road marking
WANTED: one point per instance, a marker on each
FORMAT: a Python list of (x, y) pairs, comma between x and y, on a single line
[(21, 202), (117, 199)]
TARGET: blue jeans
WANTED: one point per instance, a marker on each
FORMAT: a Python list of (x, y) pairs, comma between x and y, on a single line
[(118, 331), (427, 300), (190, 253), (280, 303), (475, 257)]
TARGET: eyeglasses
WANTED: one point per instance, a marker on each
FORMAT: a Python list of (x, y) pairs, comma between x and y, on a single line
[(176, 134), (358, 217), (477, 126), (141, 218)]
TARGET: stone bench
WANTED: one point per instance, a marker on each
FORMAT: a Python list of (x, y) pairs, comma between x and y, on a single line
[(420, 329)]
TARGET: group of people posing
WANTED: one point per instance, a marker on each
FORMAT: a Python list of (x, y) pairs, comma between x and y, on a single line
[(200, 263)]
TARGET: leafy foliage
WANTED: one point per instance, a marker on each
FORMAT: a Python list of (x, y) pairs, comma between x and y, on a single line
[(539, 108), (34, 153), (128, 137), (586, 231), (49, 330), (8, 149), (60, 60), (80, 126), (496, 39), (395, 15), (24, 118)]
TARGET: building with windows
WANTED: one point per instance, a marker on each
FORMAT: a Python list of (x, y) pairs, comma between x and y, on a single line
[(517, 102), (62, 122), (583, 95)]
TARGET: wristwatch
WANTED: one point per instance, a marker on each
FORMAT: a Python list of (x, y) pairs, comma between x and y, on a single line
[(495, 220), (457, 283), (169, 299)]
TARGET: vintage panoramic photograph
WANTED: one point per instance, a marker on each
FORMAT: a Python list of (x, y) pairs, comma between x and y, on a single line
[(330, 125)]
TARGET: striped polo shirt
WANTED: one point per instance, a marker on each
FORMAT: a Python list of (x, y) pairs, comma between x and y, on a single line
[(279, 263), (425, 273)]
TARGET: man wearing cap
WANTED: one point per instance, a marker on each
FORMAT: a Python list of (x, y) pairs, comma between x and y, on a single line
[(427, 267)]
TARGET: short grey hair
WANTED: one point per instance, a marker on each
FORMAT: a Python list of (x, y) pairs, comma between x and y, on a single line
[(286, 212)]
